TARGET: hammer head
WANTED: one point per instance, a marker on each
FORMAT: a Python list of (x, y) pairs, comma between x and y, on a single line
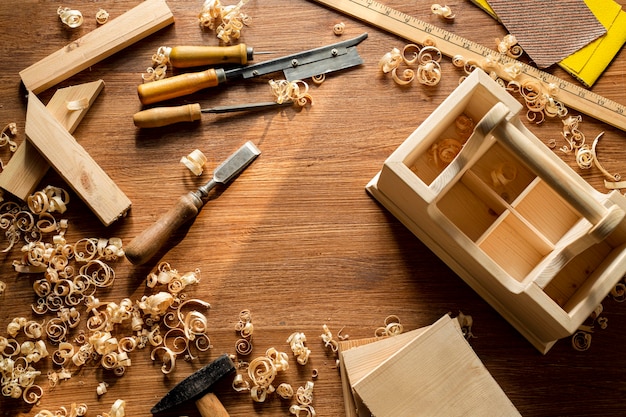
[(196, 384)]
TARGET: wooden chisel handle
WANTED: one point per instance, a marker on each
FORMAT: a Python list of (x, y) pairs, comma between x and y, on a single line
[(163, 116), (179, 85), (143, 247), (195, 56)]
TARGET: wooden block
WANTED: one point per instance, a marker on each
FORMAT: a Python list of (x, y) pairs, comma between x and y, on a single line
[(360, 356), (437, 373), (74, 164), (142, 20), (27, 167)]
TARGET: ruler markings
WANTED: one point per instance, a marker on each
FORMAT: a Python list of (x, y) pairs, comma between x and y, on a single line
[(415, 30)]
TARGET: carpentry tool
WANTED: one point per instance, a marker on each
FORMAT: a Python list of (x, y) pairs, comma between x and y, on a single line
[(197, 387), (451, 45), (148, 242), (195, 56), (318, 61), (163, 116)]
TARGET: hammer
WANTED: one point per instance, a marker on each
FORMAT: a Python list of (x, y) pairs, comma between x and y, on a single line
[(197, 387)]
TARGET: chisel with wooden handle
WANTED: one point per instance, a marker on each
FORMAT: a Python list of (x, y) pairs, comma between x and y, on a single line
[(164, 116), (195, 56), (318, 61), (144, 246)]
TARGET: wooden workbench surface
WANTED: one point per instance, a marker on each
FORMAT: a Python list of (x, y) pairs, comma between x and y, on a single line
[(295, 239)]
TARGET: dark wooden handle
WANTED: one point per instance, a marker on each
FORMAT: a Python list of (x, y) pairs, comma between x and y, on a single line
[(143, 247)]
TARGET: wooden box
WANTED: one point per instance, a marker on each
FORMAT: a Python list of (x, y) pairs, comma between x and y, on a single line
[(522, 228)]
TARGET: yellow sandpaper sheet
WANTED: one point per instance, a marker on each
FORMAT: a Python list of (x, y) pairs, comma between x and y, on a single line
[(588, 63)]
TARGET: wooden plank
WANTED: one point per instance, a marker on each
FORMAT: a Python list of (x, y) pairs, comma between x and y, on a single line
[(27, 167), (435, 374), (359, 357), (74, 164), (137, 23)]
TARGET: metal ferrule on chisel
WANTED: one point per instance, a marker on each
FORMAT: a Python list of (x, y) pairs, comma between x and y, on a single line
[(318, 61)]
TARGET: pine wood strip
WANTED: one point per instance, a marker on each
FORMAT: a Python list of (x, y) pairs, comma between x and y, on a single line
[(27, 167), (435, 374), (360, 356), (74, 164), (137, 23)]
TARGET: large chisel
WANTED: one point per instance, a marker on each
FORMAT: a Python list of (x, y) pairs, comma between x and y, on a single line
[(145, 245), (319, 61)]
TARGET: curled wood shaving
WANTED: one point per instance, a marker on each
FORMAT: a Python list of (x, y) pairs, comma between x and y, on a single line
[(444, 151), (618, 293), (71, 18), (226, 21), (3, 287), (296, 91), (392, 327), (581, 340), (444, 12), (195, 161), (508, 46), (327, 338), (285, 391), (611, 181), (5, 136), (297, 343), (540, 99), (158, 70), (427, 58), (102, 16), (339, 28)]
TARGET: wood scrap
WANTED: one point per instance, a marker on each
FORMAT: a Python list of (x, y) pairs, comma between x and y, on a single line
[(74, 164), (437, 373), (142, 20), (27, 167)]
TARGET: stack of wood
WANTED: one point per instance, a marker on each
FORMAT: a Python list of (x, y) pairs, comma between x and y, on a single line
[(431, 371)]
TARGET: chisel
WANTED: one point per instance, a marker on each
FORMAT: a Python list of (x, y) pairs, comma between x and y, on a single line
[(195, 56), (164, 116), (318, 61), (145, 245)]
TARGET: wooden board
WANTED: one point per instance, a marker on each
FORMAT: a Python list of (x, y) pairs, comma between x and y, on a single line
[(27, 167), (435, 374), (74, 164), (143, 20)]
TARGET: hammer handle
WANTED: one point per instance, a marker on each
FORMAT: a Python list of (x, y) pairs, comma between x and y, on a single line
[(147, 243), (210, 406)]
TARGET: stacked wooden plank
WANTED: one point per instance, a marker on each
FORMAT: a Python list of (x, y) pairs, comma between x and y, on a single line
[(431, 371)]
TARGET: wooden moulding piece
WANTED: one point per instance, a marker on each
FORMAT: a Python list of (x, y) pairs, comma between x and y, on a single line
[(74, 164), (27, 167), (142, 20), (437, 373)]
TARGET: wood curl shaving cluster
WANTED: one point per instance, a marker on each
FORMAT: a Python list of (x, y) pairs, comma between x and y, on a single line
[(427, 58), (392, 327), (445, 12), (243, 345), (296, 91), (226, 21), (194, 161), (297, 342), (71, 18), (509, 46), (158, 69), (79, 410), (540, 99), (581, 339), (443, 151)]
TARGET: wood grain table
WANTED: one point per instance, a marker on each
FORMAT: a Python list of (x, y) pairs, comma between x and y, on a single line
[(295, 239)]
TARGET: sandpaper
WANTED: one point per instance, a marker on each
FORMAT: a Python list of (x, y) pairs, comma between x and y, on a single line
[(549, 31)]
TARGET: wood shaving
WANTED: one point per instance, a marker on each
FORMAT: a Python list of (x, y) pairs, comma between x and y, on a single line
[(296, 91), (102, 16), (297, 342), (508, 46), (427, 58), (226, 21), (444, 12), (195, 161), (392, 327), (71, 18), (339, 28)]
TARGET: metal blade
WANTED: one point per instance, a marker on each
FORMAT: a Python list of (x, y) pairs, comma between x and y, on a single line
[(300, 72), (246, 107), (314, 59), (236, 163), (196, 384)]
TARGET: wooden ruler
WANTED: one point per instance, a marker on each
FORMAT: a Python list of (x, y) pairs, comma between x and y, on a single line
[(451, 45)]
